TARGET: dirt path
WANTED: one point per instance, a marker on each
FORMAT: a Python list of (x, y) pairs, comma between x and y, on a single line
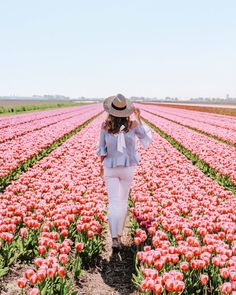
[(112, 274)]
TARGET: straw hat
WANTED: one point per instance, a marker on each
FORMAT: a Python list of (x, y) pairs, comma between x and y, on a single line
[(118, 106)]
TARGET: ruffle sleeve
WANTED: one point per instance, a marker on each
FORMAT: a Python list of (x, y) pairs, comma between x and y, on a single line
[(144, 133), (101, 145)]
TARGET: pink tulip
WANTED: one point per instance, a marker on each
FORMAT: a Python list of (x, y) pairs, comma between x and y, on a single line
[(204, 279)]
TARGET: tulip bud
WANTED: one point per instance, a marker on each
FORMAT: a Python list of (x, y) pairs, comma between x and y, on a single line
[(23, 232), (22, 283), (79, 246), (204, 279)]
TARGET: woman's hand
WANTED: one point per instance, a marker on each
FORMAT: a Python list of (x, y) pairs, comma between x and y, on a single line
[(101, 174), (137, 115)]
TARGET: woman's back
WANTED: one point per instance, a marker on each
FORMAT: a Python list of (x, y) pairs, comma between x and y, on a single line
[(120, 148)]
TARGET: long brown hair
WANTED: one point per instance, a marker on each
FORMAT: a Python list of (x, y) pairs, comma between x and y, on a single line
[(113, 124)]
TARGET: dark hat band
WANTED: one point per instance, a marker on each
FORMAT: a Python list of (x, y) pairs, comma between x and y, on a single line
[(117, 108)]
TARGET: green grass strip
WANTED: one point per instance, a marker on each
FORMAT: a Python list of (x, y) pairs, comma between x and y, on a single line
[(223, 180), (23, 167), (11, 110), (195, 129)]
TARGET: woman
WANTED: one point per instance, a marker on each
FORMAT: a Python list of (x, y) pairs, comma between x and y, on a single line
[(119, 157)]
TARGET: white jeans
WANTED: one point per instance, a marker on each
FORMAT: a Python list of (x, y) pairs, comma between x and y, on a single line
[(118, 181)]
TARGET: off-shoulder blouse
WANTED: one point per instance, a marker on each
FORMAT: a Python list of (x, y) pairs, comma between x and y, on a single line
[(120, 149)]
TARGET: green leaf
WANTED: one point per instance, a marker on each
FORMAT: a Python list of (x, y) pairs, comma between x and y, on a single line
[(44, 290), (2, 262), (4, 271)]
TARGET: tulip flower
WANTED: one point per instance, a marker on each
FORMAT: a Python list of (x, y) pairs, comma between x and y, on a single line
[(22, 283), (204, 279)]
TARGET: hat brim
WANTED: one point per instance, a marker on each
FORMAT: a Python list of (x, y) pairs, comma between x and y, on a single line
[(107, 105)]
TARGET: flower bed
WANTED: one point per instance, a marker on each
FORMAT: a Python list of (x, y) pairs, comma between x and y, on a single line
[(226, 132), (18, 154), (16, 120), (15, 130), (217, 155), (54, 215), (184, 226), (229, 110), (225, 122)]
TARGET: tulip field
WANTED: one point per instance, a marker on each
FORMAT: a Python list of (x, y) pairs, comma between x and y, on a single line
[(216, 154), (213, 125), (182, 204), (220, 109), (34, 136)]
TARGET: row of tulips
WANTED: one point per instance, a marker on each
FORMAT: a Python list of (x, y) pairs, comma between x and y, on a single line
[(208, 109), (184, 226), (225, 135), (11, 132), (16, 155), (217, 155), (222, 121), (17, 120), (54, 214)]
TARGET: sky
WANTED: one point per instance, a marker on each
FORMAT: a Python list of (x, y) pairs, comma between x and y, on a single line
[(98, 48)]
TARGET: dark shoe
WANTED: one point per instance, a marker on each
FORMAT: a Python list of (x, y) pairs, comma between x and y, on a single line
[(116, 247)]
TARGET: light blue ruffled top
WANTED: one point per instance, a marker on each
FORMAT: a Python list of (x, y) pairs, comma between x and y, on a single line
[(107, 146)]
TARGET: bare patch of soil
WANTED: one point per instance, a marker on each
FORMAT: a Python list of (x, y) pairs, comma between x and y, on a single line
[(8, 284)]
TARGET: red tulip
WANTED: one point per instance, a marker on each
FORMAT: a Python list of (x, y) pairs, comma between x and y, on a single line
[(226, 288), (41, 275), (33, 291), (51, 272), (33, 279), (184, 266), (22, 283), (23, 232), (157, 289), (204, 279), (29, 273), (79, 246), (63, 258), (61, 272), (42, 250)]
